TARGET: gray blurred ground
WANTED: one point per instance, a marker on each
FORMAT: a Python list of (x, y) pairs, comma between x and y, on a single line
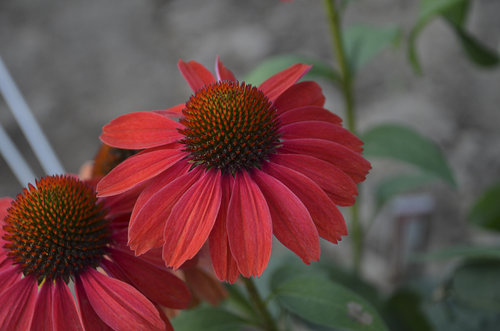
[(82, 63)]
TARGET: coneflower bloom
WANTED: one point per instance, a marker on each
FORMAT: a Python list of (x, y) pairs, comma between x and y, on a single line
[(241, 164), (58, 232)]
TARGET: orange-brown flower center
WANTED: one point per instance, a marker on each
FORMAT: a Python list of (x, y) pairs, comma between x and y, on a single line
[(56, 229), (230, 126)]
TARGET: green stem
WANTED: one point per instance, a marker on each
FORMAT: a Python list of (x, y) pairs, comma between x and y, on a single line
[(267, 319), (347, 91)]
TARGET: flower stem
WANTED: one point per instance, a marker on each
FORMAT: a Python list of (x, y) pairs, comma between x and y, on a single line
[(347, 91), (267, 319)]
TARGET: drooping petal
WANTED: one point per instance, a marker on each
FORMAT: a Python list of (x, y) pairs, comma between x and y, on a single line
[(224, 264), (195, 74), (192, 219), (350, 162), (157, 284), (42, 318), (143, 129), (18, 304), (292, 223), (147, 224), (8, 276), (64, 311), (321, 130), (90, 319), (137, 169), (309, 113), (336, 183), (119, 304), (249, 226), (328, 219), (300, 95), (223, 73), (274, 86), (205, 286), (172, 112)]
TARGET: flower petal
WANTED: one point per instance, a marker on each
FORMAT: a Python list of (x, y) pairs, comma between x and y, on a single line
[(146, 224), (309, 113), (328, 219), (300, 95), (137, 169), (223, 73), (42, 318), (156, 283), (292, 223), (139, 130), (192, 219), (18, 304), (350, 162), (249, 226), (205, 286), (119, 304), (172, 112), (64, 311), (321, 130), (336, 183), (195, 74), (274, 86), (8, 276), (224, 264), (4, 205)]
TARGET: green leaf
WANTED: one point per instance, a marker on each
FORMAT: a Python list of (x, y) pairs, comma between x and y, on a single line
[(390, 187), (323, 302), (460, 252), (403, 311), (364, 42), (476, 51), (207, 319), (486, 210), (277, 63), (404, 144)]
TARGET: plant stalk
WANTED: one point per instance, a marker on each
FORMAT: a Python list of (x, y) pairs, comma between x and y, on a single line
[(267, 320)]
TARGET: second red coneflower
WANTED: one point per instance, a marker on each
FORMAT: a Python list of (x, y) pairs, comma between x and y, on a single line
[(241, 164)]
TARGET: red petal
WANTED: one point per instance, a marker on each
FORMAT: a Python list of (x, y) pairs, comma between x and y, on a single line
[(223, 73), (42, 318), (147, 223), (322, 130), (192, 219), (328, 219), (8, 276), (274, 86), (18, 305), (4, 205), (172, 112), (309, 113), (339, 186), (137, 169), (157, 284), (249, 226), (90, 319), (292, 223), (224, 264), (350, 162), (195, 74), (205, 286), (300, 95), (64, 311), (118, 304), (139, 130)]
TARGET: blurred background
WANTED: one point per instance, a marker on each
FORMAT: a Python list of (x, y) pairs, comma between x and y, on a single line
[(80, 64)]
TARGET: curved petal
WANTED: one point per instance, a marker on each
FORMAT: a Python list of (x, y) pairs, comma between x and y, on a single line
[(300, 95), (4, 205), (350, 162), (336, 183), (292, 223), (64, 311), (224, 264), (172, 112), (8, 276), (321, 130), (137, 169), (223, 73), (274, 86), (156, 283), (42, 318), (195, 74), (18, 304), (192, 219), (328, 219), (147, 224), (139, 130), (249, 226), (205, 286), (309, 113), (119, 304)]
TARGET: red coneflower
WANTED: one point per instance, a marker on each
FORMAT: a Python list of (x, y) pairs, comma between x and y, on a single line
[(241, 164), (58, 231)]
